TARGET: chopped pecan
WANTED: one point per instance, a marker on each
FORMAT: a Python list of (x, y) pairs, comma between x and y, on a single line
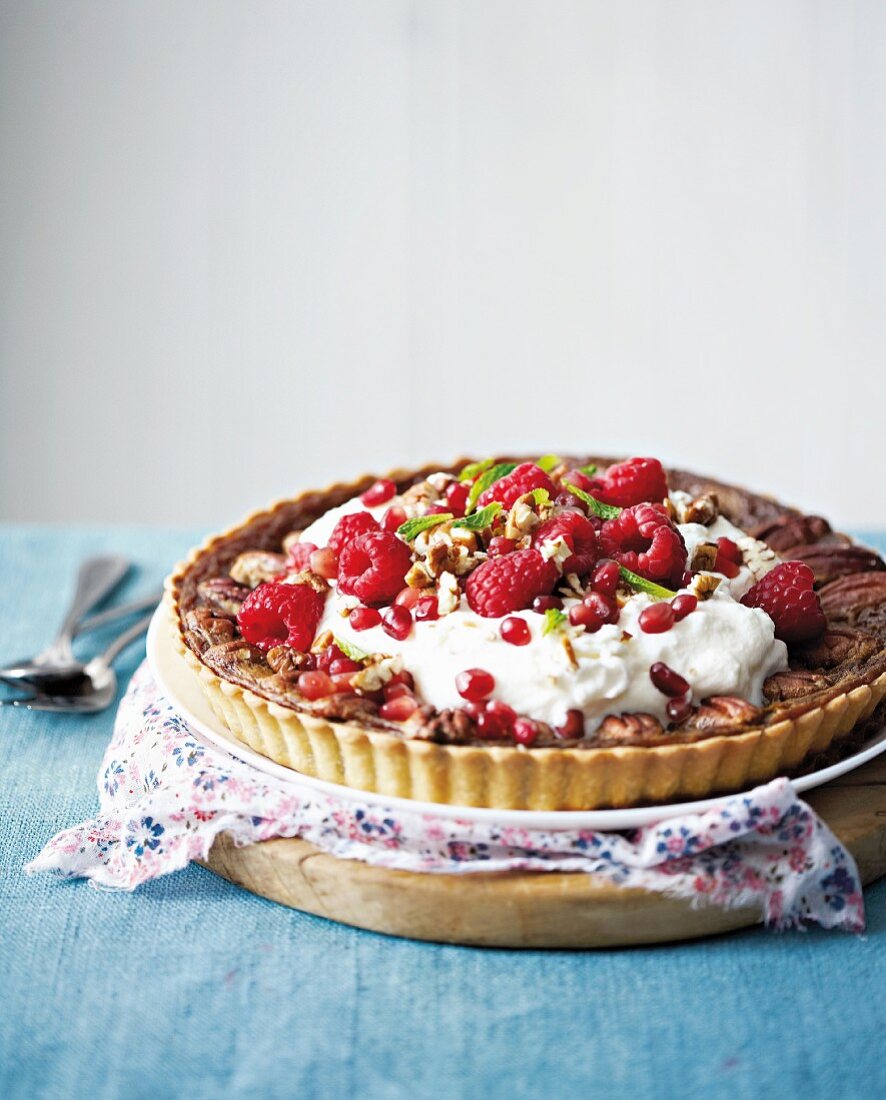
[(721, 714), (448, 594), (380, 671), (705, 585), (704, 509), (704, 557), (284, 660), (629, 728), (419, 576), (758, 557), (446, 727), (419, 497), (312, 580), (793, 684), (222, 594), (790, 530), (255, 567), (523, 518), (828, 563)]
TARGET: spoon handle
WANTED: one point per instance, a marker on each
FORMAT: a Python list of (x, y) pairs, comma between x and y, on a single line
[(94, 622), (126, 639), (96, 578)]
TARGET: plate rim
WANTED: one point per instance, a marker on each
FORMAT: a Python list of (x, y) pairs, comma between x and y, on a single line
[(160, 648)]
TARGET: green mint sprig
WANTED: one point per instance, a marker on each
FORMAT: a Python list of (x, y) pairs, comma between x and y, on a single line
[(555, 619), (479, 521), (604, 511), (589, 470), (548, 462), (412, 528), (355, 653), (641, 584), (474, 469), (487, 478)]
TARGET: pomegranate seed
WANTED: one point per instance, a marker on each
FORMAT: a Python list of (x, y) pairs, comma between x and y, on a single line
[(394, 691), (678, 709), (725, 566), (343, 664), (573, 729), (342, 682), (516, 631), (378, 493), (330, 653), (525, 731), (582, 615), (667, 681), (315, 685), (364, 618), (398, 709), (499, 546), (437, 510), (427, 609), (402, 677), (408, 597), (475, 684), (605, 607), (683, 606), (397, 622), (541, 604), (686, 579), (473, 710), (605, 577), (308, 662), (730, 551), (570, 500), (393, 518), (657, 618), (457, 497), (497, 719), (324, 563)]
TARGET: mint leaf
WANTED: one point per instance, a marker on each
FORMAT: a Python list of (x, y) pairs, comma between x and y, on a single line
[(474, 468), (352, 651), (604, 511), (548, 462), (641, 584), (541, 496), (480, 520), (487, 478), (555, 619), (589, 470), (412, 528)]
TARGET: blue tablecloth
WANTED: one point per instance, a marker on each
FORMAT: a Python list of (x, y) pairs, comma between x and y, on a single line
[(190, 987)]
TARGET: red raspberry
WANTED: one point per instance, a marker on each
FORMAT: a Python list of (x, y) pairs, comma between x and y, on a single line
[(502, 585), (281, 614), (787, 597), (524, 479), (635, 481), (645, 541), (350, 527), (577, 532), (374, 567), (300, 555)]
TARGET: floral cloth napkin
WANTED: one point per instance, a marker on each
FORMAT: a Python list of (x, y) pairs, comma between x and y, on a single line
[(164, 795)]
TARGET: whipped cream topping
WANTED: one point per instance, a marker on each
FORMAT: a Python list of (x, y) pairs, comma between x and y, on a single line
[(722, 648)]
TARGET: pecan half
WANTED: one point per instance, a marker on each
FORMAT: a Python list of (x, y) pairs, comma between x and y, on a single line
[(836, 647), (446, 727), (793, 684), (857, 600), (222, 594), (828, 563), (721, 714), (210, 628), (254, 567), (620, 729), (284, 660), (791, 531)]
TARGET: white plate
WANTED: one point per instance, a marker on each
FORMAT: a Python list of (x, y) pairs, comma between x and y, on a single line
[(180, 687)]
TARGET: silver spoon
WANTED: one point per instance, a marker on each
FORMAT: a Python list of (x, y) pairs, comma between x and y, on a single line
[(96, 578), (89, 687)]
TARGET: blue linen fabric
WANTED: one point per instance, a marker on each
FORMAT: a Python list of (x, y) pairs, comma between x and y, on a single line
[(191, 987)]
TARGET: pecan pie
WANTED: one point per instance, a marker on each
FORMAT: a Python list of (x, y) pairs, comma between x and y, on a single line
[(559, 633)]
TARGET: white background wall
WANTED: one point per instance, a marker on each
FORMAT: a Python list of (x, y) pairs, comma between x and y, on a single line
[(247, 247)]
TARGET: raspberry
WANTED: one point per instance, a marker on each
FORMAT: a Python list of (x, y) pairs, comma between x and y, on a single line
[(577, 532), (281, 614), (350, 527), (634, 481), (524, 479), (511, 583), (300, 555), (787, 597), (645, 541), (373, 567)]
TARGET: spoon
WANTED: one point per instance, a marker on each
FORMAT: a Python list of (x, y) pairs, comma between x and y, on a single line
[(96, 578), (85, 688)]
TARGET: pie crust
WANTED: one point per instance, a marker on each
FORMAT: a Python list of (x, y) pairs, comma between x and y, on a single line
[(510, 776)]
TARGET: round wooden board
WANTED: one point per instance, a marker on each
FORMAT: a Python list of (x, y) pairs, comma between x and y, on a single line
[(526, 909)]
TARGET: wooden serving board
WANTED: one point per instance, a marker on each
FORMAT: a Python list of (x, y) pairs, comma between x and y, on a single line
[(526, 909)]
